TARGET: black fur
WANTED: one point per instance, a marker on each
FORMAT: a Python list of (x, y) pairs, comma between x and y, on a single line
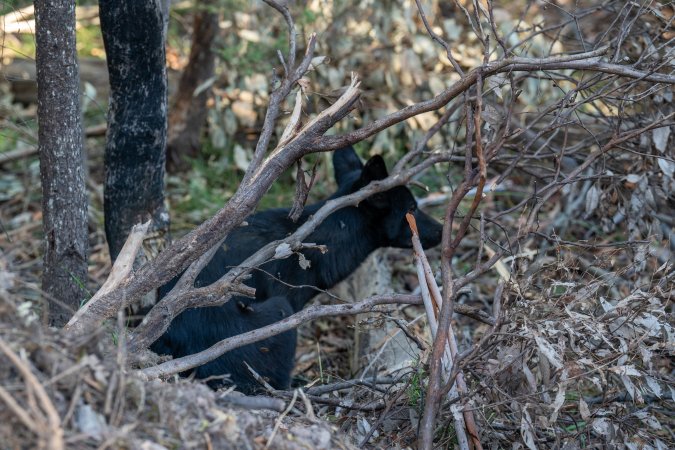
[(350, 235)]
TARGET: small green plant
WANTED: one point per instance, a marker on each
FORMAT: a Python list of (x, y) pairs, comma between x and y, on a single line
[(83, 287), (416, 387)]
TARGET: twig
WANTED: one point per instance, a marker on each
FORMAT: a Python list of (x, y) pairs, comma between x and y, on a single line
[(256, 402), (438, 39), (280, 419), (309, 410), (403, 326), (302, 189), (268, 387), (482, 172)]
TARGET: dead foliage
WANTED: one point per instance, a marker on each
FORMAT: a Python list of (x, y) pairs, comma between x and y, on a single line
[(56, 393)]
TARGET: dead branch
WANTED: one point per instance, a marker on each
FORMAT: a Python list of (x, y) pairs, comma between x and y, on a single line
[(47, 418), (120, 271), (312, 313), (255, 403)]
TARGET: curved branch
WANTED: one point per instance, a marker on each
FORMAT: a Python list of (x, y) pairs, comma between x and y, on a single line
[(283, 9)]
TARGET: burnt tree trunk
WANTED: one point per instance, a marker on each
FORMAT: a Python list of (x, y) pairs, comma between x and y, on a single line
[(188, 113), (60, 144), (133, 35)]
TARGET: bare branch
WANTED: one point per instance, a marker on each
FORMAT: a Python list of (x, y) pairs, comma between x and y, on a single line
[(438, 39), (581, 61), (311, 313)]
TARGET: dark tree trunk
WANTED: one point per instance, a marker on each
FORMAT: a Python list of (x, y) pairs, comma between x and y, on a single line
[(188, 113), (60, 143), (133, 34)]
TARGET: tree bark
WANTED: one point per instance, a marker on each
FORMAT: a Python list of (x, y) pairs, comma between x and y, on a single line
[(60, 144), (133, 35), (188, 113)]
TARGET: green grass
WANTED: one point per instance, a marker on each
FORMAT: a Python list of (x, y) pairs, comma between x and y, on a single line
[(416, 388)]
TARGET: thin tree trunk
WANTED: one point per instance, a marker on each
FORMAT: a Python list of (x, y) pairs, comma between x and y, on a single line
[(60, 144), (188, 113), (133, 34)]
